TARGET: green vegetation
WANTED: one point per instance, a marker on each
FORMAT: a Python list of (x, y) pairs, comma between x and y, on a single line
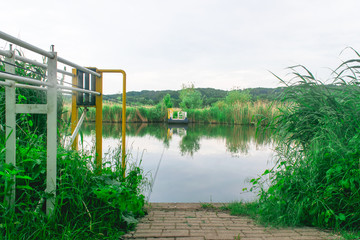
[(233, 107), (208, 206), (26, 96), (244, 113), (237, 97), (112, 113), (316, 179), (209, 96), (167, 101), (242, 209), (87, 204), (248, 113), (190, 98)]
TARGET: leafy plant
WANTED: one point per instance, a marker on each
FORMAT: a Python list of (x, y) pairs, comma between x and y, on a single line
[(86, 205)]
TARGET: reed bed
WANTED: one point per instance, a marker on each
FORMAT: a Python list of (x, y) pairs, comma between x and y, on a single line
[(248, 113), (316, 179)]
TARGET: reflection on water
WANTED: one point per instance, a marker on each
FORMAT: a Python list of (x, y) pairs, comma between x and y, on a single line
[(238, 138), (194, 163)]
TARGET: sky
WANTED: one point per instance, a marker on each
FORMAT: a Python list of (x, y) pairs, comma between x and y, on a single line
[(163, 44)]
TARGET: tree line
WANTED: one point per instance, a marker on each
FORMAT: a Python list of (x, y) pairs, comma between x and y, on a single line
[(207, 96)]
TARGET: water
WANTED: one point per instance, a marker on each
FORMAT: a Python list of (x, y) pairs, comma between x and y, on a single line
[(199, 163)]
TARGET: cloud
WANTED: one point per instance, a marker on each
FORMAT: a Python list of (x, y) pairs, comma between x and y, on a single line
[(213, 43)]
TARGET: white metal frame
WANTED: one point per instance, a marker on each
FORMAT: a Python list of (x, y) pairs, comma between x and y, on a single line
[(50, 108)]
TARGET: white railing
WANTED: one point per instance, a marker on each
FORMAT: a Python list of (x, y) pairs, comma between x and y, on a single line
[(51, 86)]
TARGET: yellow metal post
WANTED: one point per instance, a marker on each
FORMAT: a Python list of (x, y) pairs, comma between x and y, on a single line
[(123, 137), (74, 111), (98, 122)]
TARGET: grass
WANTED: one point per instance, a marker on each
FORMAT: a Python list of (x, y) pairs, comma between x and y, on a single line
[(242, 209), (87, 205), (316, 179)]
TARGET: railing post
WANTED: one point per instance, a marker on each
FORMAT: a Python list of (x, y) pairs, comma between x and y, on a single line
[(98, 122), (10, 99), (123, 135), (51, 133), (74, 111), (123, 150)]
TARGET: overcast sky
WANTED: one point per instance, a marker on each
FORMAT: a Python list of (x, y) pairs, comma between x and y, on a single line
[(162, 44)]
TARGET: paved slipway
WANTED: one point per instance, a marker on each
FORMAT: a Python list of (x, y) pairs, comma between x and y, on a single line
[(180, 221)]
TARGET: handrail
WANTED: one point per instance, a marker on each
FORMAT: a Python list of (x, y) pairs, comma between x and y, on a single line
[(123, 146), (33, 62), (7, 84), (64, 61), (65, 72), (6, 53), (26, 45), (51, 55), (78, 90), (24, 79), (37, 82), (52, 87), (30, 87)]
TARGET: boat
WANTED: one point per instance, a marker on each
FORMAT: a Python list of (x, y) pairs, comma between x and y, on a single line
[(181, 117)]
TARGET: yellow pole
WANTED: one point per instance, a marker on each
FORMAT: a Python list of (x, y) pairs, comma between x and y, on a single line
[(123, 137), (98, 122), (74, 111)]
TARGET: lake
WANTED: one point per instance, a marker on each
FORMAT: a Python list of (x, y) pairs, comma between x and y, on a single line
[(192, 163)]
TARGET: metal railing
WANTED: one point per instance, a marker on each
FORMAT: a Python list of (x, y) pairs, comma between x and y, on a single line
[(51, 86)]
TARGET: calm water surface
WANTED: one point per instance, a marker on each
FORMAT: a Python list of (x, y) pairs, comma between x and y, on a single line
[(197, 163)]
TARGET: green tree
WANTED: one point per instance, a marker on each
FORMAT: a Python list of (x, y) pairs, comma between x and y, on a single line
[(236, 96), (167, 101), (190, 98)]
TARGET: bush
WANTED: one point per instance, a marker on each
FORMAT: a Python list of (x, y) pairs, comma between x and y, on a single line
[(87, 205)]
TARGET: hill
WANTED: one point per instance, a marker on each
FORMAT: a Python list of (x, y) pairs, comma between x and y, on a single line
[(210, 95)]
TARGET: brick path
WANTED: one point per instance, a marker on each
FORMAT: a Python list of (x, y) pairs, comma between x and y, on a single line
[(179, 221)]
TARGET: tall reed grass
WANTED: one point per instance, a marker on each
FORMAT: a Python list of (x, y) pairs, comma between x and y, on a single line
[(248, 113), (316, 180)]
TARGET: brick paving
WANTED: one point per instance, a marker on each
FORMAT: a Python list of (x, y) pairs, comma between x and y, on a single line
[(180, 221)]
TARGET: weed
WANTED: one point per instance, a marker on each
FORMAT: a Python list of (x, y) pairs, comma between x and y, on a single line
[(241, 208), (208, 206), (238, 237)]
